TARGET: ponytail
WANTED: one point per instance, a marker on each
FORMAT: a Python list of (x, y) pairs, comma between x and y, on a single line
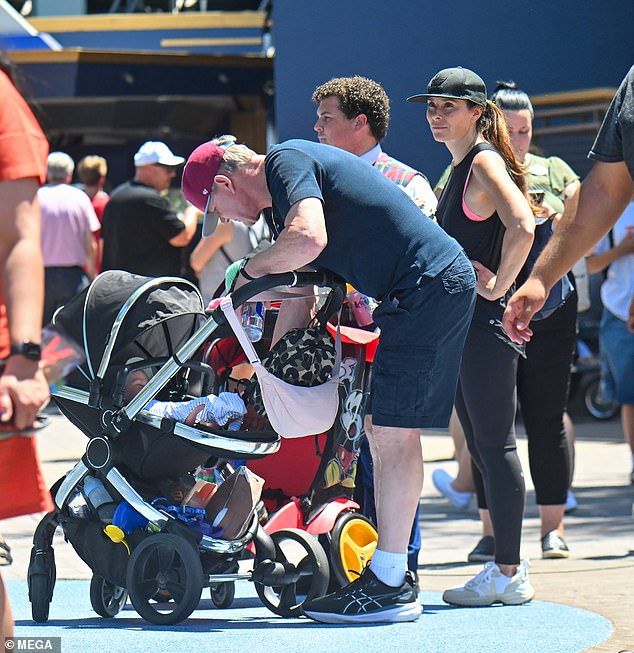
[(492, 126)]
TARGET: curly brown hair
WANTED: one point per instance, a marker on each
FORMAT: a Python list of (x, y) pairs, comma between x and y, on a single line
[(359, 95)]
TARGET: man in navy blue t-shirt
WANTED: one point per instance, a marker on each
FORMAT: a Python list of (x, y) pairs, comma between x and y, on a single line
[(331, 210)]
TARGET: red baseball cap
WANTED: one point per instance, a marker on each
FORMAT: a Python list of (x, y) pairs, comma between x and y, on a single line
[(198, 179)]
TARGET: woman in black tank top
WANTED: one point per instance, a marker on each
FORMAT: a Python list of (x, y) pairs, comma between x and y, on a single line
[(484, 207)]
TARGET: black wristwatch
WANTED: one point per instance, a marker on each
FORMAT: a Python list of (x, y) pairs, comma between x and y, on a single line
[(243, 272), (28, 349)]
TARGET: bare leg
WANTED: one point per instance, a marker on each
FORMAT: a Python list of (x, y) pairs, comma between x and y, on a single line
[(457, 434), (487, 525), (627, 423), (398, 474), (552, 518), (6, 616), (464, 478), (367, 427), (570, 437)]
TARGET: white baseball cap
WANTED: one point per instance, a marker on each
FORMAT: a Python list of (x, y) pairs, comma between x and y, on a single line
[(153, 152)]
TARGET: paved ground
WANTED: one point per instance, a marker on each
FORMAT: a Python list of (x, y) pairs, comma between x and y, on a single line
[(599, 575)]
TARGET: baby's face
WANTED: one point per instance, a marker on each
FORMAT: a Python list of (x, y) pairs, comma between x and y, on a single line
[(135, 383)]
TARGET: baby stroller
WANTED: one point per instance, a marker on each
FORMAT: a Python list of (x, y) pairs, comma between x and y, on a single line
[(124, 323), (310, 482)]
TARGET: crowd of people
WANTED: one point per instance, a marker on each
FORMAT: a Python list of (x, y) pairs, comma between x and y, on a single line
[(458, 273)]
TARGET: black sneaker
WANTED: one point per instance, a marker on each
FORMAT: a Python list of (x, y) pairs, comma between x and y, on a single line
[(367, 600), (484, 550), (554, 546)]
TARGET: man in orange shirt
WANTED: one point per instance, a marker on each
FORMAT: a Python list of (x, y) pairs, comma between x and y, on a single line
[(23, 388)]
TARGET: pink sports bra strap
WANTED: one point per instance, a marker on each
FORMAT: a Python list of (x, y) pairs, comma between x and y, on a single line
[(467, 211)]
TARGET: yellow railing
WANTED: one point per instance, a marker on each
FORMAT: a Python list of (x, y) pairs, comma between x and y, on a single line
[(154, 21)]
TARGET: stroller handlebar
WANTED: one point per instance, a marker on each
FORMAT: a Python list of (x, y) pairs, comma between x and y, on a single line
[(290, 279)]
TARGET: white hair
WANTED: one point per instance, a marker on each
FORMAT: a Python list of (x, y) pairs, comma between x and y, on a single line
[(58, 166), (235, 156)]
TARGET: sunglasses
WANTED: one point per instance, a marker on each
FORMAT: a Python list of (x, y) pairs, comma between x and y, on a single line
[(165, 167), (210, 206)]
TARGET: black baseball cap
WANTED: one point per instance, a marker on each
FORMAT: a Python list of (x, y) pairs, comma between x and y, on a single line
[(458, 83)]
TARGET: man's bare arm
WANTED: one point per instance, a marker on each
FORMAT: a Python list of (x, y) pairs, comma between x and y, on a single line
[(603, 197), (300, 242), (23, 388)]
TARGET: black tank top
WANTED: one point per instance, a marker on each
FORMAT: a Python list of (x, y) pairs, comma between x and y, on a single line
[(481, 239)]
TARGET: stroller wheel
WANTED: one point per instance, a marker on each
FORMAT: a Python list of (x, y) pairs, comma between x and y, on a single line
[(352, 543), (222, 594), (41, 581), (302, 554), (164, 565), (106, 598), (598, 409), (40, 596)]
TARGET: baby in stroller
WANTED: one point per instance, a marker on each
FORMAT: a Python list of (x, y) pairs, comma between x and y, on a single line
[(225, 410), (134, 447)]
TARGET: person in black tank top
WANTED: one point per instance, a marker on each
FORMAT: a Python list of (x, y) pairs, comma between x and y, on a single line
[(544, 374), (484, 207)]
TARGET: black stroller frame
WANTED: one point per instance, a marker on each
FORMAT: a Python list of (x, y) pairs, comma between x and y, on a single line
[(166, 564)]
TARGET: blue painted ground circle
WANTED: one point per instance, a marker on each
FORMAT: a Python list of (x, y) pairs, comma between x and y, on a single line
[(249, 627)]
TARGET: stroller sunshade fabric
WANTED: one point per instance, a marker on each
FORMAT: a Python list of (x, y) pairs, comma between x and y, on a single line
[(120, 309)]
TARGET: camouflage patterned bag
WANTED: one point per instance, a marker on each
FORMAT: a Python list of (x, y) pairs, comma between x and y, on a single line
[(302, 357)]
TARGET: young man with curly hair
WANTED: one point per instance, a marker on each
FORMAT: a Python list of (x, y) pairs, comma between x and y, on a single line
[(353, 114)]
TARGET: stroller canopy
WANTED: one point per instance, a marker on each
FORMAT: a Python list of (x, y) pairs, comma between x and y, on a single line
[(121, 315)]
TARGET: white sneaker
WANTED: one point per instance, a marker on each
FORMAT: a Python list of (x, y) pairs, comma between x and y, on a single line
[(492, 586), (443, 481)]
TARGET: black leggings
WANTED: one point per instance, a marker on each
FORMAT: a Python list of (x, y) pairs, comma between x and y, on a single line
[(543, 380), (486, 403)]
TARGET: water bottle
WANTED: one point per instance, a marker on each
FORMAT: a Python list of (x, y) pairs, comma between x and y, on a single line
[(99, 498), (253, 320), (361, 309)]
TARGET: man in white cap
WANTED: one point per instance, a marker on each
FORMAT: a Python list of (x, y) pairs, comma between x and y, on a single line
[(140, 231)]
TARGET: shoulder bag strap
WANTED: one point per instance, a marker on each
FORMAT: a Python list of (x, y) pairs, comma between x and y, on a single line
[(226, 306)]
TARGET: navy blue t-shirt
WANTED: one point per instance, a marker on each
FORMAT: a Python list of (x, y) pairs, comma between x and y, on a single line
[(378, 239)]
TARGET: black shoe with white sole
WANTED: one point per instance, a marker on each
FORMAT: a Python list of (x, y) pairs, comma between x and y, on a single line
[(367, 600)]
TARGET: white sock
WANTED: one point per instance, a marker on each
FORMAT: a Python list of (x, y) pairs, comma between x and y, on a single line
[(633, 462), (388, 567)]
